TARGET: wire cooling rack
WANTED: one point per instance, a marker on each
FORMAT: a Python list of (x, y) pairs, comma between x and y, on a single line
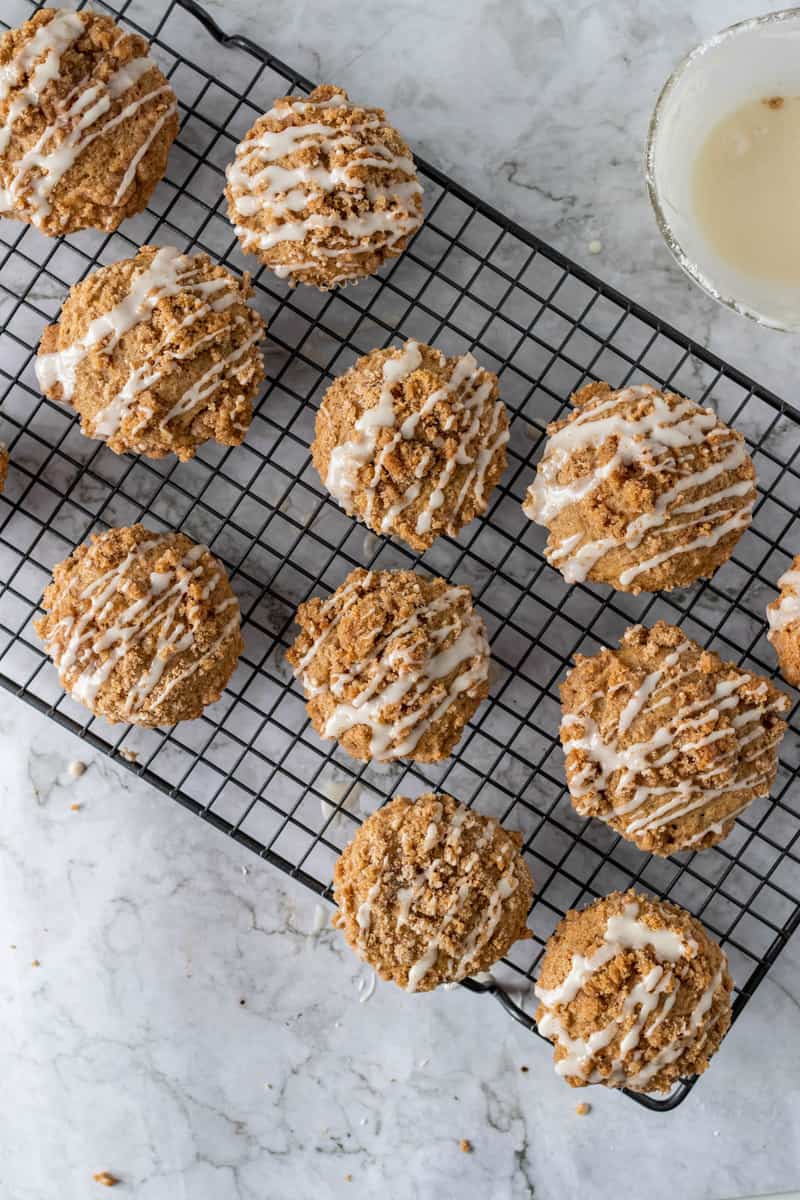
[(252, 766)]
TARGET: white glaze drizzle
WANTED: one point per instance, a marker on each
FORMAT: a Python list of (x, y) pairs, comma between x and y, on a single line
[(467, 654), (257, 181), (653, 996), (785, 611), (467, 392), (33, 176), (169, 273), (606, 757), (663, 433), (85, 654)]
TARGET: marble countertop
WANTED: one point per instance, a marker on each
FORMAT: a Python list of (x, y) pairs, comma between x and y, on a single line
[(176, 1012)]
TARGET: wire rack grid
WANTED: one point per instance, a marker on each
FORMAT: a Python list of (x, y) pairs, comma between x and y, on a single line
[(252, 766)]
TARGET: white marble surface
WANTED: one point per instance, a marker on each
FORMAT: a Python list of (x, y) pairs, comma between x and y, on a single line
[(128, 1048)]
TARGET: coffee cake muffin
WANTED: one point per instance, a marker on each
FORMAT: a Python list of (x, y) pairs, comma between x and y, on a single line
[(665, 742), (322, 190), (430, 892), (783, 615), (393, 664), (87, 122), (142, 627), (412, 442), (157, 354), (634, 993), (641, 489)]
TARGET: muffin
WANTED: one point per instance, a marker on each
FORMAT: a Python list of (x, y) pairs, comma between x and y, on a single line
[(641, 489), (412, 442), (86, 122), (393, 665), (783, 615), (322, 190), (634, 993), (430, 892), (142, 627), (157, 354), (665, 742)]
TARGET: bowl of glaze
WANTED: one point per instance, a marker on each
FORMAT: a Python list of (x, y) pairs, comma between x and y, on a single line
[(751, 61)]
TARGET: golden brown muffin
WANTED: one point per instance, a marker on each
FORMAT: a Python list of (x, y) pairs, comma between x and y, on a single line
[(393, 664), (87, 122), (783, 615), (641, 489), (634, 993), (322, 190), (665, 742), (142, 627), (430, 892), (412, 442), (157, 354)]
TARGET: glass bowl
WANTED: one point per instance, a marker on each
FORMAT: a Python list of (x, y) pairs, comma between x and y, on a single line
[(751, 60)]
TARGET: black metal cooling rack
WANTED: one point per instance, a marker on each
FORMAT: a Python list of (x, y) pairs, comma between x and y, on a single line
[(252, 766)]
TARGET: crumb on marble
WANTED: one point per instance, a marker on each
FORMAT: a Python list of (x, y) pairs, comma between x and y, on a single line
[(595, 246), (12, 946), (35, 962), (242, 1001), (583, 1109), (773, 101), (524, 1070), (129, 755), (106, 1178), (76, 769), (465, 1146), (348, 1178), (74, 808)]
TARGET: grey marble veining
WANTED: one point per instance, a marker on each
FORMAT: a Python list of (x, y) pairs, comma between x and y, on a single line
[(193, 1026)]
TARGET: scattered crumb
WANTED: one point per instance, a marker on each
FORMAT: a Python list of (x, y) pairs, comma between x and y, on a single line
[(76, 769), (465, 1145), (583, 1109), (524, 1070), (106, 1178), (595, 246), (74, 808), (35, 962), (129, 755), (348, 1178), (13, 946), (268, 1086), (243, 1002), (773, 101)]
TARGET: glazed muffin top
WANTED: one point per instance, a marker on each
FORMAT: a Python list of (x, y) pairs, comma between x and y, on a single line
[(412, 442), (157, 353), (323, 190), (641, 489), (665, 741), (431, 891), (86, 122), (393, 664), (634, 993), (142, 627)]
